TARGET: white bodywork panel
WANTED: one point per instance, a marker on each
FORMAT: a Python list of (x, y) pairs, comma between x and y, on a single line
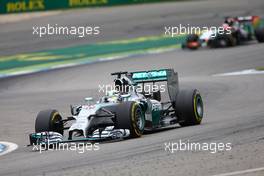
[(207, 35), (82, 121)]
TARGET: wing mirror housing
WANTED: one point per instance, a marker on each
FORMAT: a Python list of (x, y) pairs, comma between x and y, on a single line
[(88, 99)]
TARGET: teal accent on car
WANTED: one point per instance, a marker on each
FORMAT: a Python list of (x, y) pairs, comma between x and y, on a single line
[(155, 118)]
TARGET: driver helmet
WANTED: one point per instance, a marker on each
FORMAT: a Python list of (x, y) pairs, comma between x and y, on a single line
[(122, 85), (230, 21)]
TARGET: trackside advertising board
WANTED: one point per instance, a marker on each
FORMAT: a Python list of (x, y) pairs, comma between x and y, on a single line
[(15, 6)]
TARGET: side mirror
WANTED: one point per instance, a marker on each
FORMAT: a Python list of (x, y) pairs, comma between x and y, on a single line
[(125, 96), (88, 99), (75, 110)]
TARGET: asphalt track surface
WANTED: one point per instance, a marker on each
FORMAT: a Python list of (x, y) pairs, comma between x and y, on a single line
[(233, 104)]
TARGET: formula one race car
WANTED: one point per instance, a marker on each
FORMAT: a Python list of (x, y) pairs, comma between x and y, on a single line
[(126, 111), (235, 31)]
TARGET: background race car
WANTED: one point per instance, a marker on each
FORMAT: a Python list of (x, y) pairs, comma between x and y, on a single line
[(236, 31)]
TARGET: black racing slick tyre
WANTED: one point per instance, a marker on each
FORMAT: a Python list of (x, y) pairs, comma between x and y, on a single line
[(156, 95), (49, 120), (189, 107), (259, 33), (222, 41), (129, 115)]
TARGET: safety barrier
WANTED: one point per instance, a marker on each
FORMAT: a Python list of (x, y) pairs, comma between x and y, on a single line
[(15, 6)]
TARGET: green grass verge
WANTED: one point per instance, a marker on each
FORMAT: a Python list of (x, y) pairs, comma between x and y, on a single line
[(76, 55)]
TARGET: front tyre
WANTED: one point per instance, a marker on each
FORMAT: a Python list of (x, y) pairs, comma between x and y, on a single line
[(49, 120), (129, 115), (223, 41), (189, 107)]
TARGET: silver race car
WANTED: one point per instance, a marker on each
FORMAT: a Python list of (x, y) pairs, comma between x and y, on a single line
[(126, 111)]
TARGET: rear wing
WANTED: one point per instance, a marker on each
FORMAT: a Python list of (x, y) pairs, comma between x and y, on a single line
[(152, 76), (245, 18), (257, 21), (149, 76)]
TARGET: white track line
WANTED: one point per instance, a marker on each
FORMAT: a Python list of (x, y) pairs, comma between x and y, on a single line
[(243, 72), (9, 147), (242, 172)]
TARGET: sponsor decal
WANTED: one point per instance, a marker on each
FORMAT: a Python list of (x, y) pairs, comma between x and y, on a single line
[(76, 3), (29, 5)]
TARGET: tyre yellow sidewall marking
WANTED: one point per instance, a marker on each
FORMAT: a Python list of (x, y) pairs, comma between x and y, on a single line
[(134, 120), (54, 117), (199, 119)]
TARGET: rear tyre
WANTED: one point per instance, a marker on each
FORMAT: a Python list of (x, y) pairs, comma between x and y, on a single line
[(223, 40), (189, 107), (157, 95), (183, 45), (129, 115), (259, 33), (49, 120)]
